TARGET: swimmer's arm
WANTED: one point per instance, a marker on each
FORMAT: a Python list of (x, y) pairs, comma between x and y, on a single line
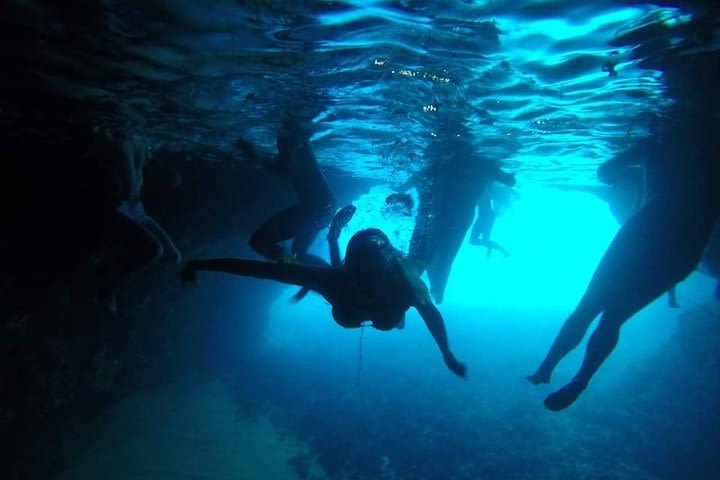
[(325, 281), (335, 260), (435, 323), (477, 233)]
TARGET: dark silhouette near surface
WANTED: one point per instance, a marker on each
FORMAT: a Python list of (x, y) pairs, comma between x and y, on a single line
[(297, 164), (449, 188)]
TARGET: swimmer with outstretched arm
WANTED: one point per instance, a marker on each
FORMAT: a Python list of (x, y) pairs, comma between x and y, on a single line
[(373, 283)]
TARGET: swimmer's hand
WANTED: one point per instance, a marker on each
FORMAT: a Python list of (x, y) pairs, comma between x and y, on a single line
[(458, 368), (189, 275)]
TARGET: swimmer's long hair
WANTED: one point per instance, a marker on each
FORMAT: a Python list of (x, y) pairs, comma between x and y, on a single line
[(370, 250), (374, 262)]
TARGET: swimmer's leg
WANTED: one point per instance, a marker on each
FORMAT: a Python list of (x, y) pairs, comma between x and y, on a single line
[(266, 240), (317, 219), (339, 221), (622, 264), (602, 342), (491, 245), (418, 254), (651, 273), (569, 337), (131, 247), (484, 222), (444, 253), (309, 223), (156, 230), (438, 274), (301, 243), (312, 261)]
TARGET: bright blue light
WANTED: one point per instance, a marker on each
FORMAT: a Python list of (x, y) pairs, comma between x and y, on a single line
[(556, 239)]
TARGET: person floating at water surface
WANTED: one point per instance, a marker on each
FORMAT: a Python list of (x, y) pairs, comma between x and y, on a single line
[(449, 189), (635, 175), (484, 222), (295, 162), (373, 283), (123, 155), (136, 153), (655, 249)]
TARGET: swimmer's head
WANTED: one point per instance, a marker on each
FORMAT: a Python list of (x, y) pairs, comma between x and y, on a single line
[(369, 253)]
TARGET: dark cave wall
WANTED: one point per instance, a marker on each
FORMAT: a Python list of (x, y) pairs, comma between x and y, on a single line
[(65, 356)]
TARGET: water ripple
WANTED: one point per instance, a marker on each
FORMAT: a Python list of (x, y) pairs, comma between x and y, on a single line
[(530, 78)]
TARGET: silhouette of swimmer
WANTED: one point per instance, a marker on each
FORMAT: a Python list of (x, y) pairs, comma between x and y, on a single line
[(634, 177), (136, 154), (142, 240), (340, 220), (484, 222), (655, 249), (449, 189), (296, 163), (373, 283)]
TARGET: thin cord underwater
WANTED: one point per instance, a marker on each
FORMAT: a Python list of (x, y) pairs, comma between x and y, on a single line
[(360, 349)]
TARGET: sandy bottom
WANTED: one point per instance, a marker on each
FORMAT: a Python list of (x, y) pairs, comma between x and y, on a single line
[(188, 433)]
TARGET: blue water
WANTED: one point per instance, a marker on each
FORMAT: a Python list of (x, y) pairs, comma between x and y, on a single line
[(527, 78), (394, 411)]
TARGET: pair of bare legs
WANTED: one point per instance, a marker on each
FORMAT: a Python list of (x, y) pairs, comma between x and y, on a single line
[(653, 251), (149, 239)]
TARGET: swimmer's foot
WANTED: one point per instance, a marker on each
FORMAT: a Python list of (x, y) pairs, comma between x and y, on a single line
[(538, 378), (673, 304), (564, 397)]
